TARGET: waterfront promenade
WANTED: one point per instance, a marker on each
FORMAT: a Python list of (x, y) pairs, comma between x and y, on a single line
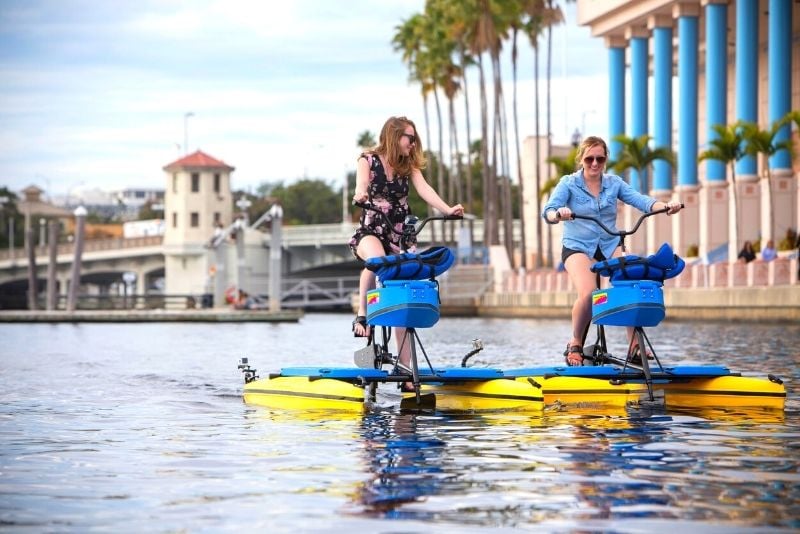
[(757, 291), (213, 315)]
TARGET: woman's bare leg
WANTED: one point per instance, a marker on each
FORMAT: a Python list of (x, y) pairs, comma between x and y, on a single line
[(368, 247), (578, 267)]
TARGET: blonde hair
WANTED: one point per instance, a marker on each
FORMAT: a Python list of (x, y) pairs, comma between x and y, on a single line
[(389, 146), (588, 143)]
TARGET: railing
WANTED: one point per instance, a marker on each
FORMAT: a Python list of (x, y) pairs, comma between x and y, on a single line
[(318, 292), (107, 302), (92, 245), (757, 273), (293, 236)]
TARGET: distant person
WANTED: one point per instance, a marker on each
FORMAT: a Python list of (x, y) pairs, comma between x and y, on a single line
[(768, 253), (384, 175), (591, 192), (747, 254)]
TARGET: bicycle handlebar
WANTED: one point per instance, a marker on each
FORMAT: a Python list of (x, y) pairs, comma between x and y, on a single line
[(622, 234), (412, 226)]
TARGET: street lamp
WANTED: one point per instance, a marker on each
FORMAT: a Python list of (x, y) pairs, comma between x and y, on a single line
[(576, 138), (243, 203), (583, 119), (186, 131)]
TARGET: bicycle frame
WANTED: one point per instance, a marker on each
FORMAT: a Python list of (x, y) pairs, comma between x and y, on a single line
[(598, 352), (378, 354)]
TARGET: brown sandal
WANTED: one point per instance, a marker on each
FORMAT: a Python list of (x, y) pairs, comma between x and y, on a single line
[(573, 349), (636, 356)]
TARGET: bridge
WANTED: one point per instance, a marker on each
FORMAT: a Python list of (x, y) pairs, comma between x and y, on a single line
[(317, 266)]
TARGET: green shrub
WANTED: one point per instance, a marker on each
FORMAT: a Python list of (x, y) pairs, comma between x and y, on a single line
[(788, 241)]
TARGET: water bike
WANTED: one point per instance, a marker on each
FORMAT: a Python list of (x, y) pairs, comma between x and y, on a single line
[(635, 300), (405, 299), (407, 296)]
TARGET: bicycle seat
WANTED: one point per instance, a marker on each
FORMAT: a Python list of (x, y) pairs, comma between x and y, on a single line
[(662, 265), (425, 265)]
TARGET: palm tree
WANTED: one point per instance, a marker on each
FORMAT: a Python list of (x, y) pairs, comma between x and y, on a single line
[(551, 16), (456, 19), (516, 24), (365, 140), (727, 147), (635, 153), (486, 36), (408, 41), (763, 142), (792, 116), (563, 166)]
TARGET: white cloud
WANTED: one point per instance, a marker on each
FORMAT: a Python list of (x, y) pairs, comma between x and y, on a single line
[(96, 93)]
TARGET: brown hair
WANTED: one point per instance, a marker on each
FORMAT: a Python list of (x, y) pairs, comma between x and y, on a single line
[(389, 144), (588, 143)]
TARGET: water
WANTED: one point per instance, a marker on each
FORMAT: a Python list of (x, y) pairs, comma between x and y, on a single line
[(133, 428)]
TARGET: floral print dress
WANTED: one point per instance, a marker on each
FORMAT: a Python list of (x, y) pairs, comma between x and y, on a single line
[(389, 196)]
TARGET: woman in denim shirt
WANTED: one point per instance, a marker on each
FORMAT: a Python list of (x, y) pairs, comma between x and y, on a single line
[(590, 192)]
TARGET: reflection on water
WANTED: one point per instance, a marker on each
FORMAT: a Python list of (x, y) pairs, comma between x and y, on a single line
[(123, 427)]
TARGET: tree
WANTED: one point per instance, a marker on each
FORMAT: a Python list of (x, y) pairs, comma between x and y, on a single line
[(304, 202), (366, 140), (763, 143), (563, 166), (727, 147), (10, 212), (636, 154)]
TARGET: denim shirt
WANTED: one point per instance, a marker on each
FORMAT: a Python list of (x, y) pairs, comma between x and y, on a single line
[(586, 236)]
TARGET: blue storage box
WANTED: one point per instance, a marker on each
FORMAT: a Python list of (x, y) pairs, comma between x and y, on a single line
[(404, 303), (629, 303)]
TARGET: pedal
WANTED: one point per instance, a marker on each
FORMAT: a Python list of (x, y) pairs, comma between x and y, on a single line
[(659, 400), (367, 357), (427, 401)]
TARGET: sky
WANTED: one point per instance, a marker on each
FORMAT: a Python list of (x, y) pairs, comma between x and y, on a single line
[(105, 94)]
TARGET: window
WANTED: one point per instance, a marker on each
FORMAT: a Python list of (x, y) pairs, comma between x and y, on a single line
[(174, 182), (216, 182), (174, 219), (217, 218), (195, 219), (195, 182)]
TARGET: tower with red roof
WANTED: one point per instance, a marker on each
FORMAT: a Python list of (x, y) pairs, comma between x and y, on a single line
[(196, 200)]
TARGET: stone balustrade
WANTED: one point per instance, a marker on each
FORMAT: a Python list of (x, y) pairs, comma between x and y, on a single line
[(757, 273)]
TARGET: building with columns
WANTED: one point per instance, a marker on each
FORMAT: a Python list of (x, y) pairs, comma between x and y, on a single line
[(679, 67), (197, 198)]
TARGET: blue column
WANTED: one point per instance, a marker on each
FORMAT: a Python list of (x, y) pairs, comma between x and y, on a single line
[(616, 98), (639, 72), (747, 73), (662, 114), (687, 119), (716, 80), (779, 68)]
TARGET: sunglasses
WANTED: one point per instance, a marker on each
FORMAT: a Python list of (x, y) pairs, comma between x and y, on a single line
[(589, 160), (411, 137)]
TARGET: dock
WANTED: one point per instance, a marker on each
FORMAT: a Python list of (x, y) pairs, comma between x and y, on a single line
[(221, 315)]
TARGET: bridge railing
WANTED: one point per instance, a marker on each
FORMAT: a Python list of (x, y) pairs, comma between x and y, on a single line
[(92, 245)]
